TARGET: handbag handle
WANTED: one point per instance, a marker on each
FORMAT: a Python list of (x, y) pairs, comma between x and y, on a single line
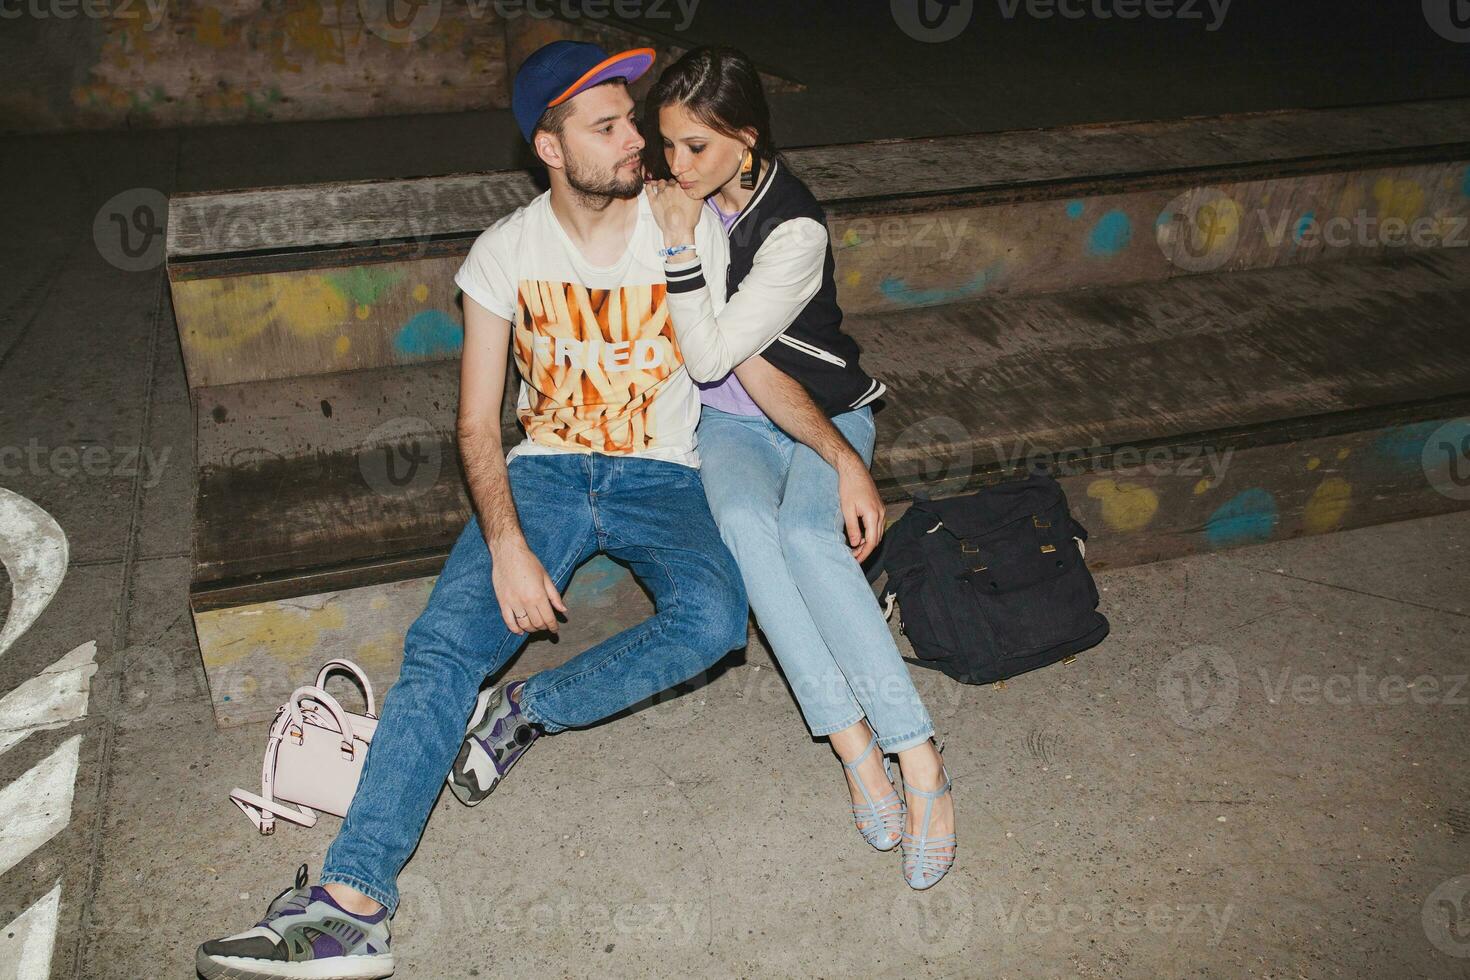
[(348, 667), (334, 708)]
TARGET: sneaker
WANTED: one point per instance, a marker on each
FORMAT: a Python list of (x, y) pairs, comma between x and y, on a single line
[(304, 935), (498, 735)]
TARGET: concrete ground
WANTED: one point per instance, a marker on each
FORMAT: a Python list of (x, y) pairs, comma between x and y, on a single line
[(1259, 773)]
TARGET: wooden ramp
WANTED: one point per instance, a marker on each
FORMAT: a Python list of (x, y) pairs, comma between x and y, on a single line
[(1115, 301)]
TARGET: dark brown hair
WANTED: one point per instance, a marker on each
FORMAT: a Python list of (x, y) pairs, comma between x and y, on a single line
[(721, 88)]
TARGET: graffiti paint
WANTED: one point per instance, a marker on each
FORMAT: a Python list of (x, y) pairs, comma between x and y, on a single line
[(432, 333), (1111, 235), (1125, 506), (1328, 506), (1248, 517)]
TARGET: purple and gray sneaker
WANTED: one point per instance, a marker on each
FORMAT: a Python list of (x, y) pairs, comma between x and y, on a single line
[(304, 936), (498, 735)]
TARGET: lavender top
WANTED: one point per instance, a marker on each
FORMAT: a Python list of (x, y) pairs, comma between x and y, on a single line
[(728, 394)]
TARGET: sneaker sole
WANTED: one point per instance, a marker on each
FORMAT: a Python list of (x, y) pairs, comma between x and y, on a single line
[(474, 776), (375, 967)]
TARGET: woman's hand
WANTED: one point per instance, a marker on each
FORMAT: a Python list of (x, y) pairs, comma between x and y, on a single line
[(677, 213)]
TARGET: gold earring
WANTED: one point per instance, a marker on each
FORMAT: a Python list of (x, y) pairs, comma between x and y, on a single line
[(747, 171)]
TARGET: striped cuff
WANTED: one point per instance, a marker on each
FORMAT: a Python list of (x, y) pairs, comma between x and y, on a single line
[(685, 280)]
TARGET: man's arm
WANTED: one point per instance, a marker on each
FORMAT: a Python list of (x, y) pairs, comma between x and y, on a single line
[(521, 583), (787, 404)]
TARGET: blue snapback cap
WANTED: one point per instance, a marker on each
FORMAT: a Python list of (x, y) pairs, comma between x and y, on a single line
[(557, 71)]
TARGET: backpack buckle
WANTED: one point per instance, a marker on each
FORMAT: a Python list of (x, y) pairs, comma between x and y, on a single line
[(966, 549)]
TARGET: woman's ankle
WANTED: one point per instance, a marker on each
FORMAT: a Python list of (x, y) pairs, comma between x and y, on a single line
[(922, 765), (852, 740)]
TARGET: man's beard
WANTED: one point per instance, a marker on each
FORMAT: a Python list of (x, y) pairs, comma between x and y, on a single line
[(595, 191)]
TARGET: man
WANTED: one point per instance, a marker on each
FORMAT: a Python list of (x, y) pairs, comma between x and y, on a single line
[(574, 283)]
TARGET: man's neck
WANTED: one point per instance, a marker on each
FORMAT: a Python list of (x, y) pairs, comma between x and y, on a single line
[(597, 232)]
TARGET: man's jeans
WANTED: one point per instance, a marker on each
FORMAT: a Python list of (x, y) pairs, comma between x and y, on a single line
[(648, 513), (776, 503)]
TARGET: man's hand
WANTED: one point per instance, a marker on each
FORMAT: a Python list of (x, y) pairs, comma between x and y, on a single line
[(862, 509), (526, 594)]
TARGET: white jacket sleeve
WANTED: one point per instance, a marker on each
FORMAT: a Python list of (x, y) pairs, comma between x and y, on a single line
[(786, 274)]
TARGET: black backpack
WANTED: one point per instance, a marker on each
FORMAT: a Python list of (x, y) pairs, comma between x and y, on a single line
[(992, 584)]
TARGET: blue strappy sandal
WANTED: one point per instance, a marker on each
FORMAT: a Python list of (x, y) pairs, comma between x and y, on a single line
[(883, 818), (927, 859)]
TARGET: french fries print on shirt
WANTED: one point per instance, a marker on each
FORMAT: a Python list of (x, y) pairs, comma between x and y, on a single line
[(594, 361)]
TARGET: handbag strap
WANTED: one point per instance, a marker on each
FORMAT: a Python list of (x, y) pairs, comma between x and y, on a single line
[(347, 666)]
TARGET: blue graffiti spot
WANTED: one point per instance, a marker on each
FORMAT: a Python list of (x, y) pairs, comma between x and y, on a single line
[(1246, 517), (1110, 235), (899, 291), (428, 334), (1403, 446), (1075, 209), (1303, 226)]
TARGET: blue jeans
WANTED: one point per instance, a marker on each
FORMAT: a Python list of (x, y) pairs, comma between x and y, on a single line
[(647, 513), (776, 503)]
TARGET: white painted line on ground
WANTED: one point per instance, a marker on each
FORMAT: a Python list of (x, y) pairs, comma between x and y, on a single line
[(26, 943), (34, 551), (37, 806), (52, 699)]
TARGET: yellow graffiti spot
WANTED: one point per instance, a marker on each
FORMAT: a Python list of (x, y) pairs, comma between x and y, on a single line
[(380, 654), (1343, 454), (342, 346), (363, 311), (850, 238), (1402, 199), (223, 314), (1313, 463), (421, 292), (1125, 506), (1328, 505), (854, 277), (270, 629), (1202, 486)]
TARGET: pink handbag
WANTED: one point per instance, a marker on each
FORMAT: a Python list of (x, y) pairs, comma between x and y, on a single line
[(313, 757)]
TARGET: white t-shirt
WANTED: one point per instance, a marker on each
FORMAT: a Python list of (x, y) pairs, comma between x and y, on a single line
[(600, 366)]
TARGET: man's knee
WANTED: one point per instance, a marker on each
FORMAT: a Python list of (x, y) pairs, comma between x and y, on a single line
[(713, 605)]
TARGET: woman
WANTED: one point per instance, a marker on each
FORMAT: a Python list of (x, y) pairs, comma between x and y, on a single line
[(776, 500)]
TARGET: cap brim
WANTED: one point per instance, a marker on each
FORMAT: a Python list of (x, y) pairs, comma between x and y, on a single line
[(629, 65)]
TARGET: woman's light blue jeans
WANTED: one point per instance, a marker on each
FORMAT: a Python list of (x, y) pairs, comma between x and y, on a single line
[(775, 501)]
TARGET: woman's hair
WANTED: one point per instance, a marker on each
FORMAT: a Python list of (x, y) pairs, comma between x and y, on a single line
[(721, 88)]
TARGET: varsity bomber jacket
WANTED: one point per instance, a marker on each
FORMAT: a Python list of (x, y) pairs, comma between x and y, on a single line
[(782, 300)]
